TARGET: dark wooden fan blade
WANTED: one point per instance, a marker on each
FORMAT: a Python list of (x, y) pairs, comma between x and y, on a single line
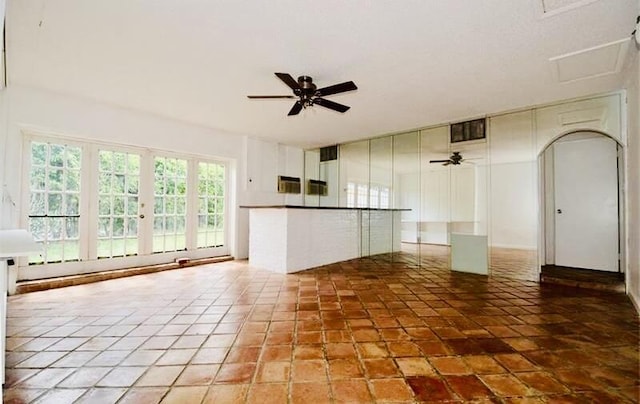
[(439, 161), (336, 88), (270, 96), (288, 80), (297, 107), (331, 105)]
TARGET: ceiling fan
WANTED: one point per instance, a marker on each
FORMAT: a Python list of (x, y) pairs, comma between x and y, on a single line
[(308, 94), (455, 159)]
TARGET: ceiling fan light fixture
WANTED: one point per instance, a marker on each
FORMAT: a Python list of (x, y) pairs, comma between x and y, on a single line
[(305, 89)]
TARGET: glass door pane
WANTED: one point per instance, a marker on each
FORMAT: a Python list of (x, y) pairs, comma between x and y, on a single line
[(54, 201), (211, 206), (118, 196), (170, 212)]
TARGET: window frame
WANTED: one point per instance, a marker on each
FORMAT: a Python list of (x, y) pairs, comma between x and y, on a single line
[(88, 221)]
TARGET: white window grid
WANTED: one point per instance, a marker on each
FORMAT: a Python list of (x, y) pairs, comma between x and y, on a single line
[(54, 201)]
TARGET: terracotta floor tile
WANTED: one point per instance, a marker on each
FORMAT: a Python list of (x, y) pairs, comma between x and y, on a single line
[(309, 370), (180, 395), (269, 372), (433, 348), (380, 328), (209, 355), (46, 378), (373, 350), (277, 353), (122, 376), (309, 337), (101, 395), (160, 376), (195, 375), (226, 394), (469, 387), (483, 364), (337, 336), (40, 360), (345, 369), (542, 382), (449, 365), (272, 393), (385, 390), (305, 393), (366, 335), (84, 377), (60, 396), (219, 341), (74, 359), (401, 349), (243, 354), (279, 338), (430, 389), (381, 368), (18, 395), (415, 367), (340, 351), (505, 385), (235, 373), (515, 362), (351, 391), (142, 357), (302, 352)]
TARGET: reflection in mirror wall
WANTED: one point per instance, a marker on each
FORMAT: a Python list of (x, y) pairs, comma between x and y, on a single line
[(435, 212), (407, 193), (311, 176), (514, 214), (493, 194)]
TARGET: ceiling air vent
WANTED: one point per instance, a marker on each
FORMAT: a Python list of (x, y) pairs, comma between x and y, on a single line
[(328, 153), (469, 130)]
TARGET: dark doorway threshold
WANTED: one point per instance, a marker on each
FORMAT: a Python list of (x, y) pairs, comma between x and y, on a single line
[(583, 278)]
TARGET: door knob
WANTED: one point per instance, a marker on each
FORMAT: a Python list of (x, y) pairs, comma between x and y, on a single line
[(559, 211)]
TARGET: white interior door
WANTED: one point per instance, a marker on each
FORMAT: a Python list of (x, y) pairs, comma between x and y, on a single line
[(586, 203)]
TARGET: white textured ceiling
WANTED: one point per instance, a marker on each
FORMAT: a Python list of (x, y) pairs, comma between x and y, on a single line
[(416, 62)]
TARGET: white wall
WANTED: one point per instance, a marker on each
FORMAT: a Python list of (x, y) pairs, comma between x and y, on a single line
[(49, 113), (633, 178), (513, 195)]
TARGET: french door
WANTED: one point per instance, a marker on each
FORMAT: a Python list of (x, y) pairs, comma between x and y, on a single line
[(97, 207)]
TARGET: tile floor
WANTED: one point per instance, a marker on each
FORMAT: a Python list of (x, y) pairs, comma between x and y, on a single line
[(367, 330)]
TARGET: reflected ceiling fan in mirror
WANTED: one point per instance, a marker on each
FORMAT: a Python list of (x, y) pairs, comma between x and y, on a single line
[(308, 94), (455, 159)]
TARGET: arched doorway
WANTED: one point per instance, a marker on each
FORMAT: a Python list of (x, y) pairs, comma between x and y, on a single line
[(581, 176)]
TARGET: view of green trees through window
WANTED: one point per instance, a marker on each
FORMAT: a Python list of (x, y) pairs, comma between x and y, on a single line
[(183, 199), (170, 207), (118, 194), (211, 183), (54, 204)]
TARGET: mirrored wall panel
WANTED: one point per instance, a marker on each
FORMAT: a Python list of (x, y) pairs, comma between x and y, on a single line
[(407, 189), (312, 186), (435, 212), (513, 197)]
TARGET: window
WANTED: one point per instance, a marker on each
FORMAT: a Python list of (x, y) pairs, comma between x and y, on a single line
[(351, 195), (211, 183), (361, 196), (54, 203), (87, 202), (118, 194), (358, 195), (170, 207)]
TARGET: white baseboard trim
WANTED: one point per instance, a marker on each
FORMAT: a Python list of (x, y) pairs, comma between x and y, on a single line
[(635, 300)]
